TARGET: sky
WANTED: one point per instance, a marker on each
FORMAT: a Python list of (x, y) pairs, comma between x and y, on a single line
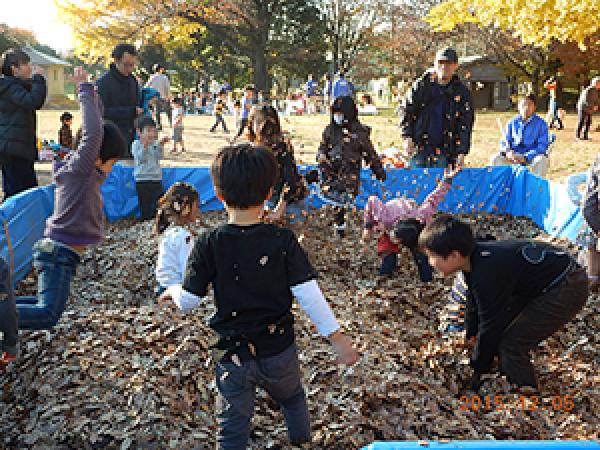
[(41, 17)]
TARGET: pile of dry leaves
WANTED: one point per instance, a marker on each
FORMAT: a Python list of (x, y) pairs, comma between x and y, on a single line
[(121, 371)]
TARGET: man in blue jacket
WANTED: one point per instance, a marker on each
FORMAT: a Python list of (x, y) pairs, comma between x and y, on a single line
[(525, 141), (342, 87)]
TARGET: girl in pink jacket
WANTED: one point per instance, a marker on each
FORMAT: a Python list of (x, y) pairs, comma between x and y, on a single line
[(399, 222)]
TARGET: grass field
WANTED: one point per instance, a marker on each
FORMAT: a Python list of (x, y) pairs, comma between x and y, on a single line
[(568, 154)]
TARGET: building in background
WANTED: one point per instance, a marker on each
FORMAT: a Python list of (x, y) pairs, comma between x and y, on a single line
[(54, 69), (489, 85)]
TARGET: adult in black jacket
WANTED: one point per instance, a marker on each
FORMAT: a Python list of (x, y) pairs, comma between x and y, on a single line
[(437, 116), (120, 92), (20, 97)]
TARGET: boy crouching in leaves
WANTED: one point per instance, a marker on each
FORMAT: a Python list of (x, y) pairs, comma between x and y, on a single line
[(520, 292), (256, 269)]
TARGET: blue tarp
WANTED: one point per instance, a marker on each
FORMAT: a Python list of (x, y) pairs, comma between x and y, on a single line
[(507, 189), (25, 216), (485, 445)]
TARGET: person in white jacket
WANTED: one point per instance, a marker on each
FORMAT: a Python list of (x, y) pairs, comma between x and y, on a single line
[(177, 209)]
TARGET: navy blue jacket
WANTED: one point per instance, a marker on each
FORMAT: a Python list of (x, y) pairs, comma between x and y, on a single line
[(457, 122), (19, 100)]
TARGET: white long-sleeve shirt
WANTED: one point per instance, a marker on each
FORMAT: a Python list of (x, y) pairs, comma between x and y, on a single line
[(173, 252), (308, 294)]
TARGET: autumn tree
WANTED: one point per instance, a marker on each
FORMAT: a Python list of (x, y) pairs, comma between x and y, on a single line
[(266, 32), (523, 34), (349, 23), (534, 22), (402, 45)]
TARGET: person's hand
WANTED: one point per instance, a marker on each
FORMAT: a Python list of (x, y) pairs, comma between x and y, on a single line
[(165, 297), (37, 70), (409, 146), (595, 108), (274, 215), (365, 240), (451, 172), (138, 110), (80, 76), (474, 382), (511, 156), (164, 140), (346, 353)]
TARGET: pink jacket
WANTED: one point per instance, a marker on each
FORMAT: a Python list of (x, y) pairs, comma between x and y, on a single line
[(386, 214)]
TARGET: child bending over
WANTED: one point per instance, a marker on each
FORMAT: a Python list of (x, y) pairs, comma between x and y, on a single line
[(403, 218), (255, 269), (520, 292)]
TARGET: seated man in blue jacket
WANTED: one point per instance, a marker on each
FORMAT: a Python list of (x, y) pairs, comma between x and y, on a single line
[(526, 140)]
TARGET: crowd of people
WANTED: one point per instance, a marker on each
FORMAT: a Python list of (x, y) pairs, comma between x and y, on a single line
[(515, 293)]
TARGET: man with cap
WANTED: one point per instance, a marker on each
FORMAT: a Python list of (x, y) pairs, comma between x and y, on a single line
[(437, 115), (160, 81)]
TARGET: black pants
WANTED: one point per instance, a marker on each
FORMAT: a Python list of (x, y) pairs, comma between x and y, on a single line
[(148, 192), (18, 175), (541, 318), (219, 120), (243, 125), (163, 106), (584, 123), (556, 118)]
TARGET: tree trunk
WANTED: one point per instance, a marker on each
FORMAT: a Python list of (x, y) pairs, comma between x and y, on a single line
[(535, 82), (261, 71)]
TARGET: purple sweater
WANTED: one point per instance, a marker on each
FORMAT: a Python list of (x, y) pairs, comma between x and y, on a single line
[(78, 218)]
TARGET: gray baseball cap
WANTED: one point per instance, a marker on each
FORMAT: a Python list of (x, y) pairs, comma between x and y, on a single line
[(447, 54)]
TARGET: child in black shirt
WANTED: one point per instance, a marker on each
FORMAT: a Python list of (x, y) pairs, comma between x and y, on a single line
[(255, 270), (519, 293)]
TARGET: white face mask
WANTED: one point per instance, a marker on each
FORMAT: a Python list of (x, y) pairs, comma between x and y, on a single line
[(338, 118)]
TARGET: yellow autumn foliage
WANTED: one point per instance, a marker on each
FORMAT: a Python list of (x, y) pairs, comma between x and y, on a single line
[(535, 22), (100, 24)]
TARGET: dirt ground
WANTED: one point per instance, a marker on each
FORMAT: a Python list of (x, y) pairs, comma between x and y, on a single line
[(568, 154)]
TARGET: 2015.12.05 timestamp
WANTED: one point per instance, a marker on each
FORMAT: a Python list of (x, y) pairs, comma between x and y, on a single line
[(521, 402)]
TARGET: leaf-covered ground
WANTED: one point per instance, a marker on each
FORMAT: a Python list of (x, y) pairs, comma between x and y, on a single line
[(121, 371)]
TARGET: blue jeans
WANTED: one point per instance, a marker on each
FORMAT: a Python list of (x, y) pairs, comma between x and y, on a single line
[(423, 161), (279, 375), (55, 264)]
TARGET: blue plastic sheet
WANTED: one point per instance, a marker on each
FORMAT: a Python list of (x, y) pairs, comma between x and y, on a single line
[(513, 190), (486, 445), (25, 216), (120, 198), (506, 189)]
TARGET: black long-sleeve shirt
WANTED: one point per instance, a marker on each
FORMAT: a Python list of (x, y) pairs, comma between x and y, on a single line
[(504, 277)]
